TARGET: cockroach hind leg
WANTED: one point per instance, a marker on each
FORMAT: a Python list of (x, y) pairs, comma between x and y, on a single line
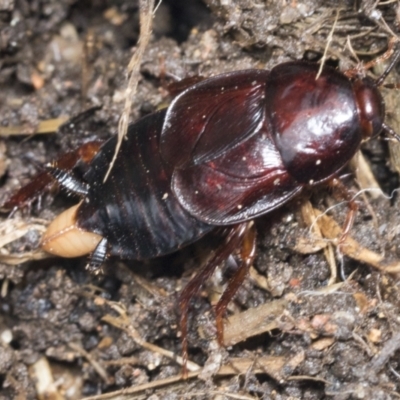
[(44, 180), (98, 257), (247, 253), (191, 290), (67, 180), (26, 195), (236, 237)]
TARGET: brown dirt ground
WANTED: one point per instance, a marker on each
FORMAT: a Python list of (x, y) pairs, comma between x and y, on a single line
[(67, 334)]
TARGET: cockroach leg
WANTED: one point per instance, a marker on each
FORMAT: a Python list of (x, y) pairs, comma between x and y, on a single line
[(233, 240), (44, 180), (98, 257), (343, 192), (247, 254), (392, 52), (28, 193), (394, 48)]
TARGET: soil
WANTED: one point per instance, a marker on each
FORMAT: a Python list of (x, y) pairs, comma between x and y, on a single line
[(68, 334)]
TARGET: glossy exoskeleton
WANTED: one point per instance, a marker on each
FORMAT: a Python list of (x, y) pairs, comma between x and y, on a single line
[(228, 149)]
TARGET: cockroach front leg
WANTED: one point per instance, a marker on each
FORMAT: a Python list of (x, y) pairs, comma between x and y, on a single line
[(241, 235)]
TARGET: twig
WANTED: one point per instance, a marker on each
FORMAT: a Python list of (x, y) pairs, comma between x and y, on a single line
[(146, 21), (328, 42), (97, 367), (265, 365), (124, 325), (44, 127)]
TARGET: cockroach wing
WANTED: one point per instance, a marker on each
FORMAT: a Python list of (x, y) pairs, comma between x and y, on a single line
[(245, 182), (213, 116)]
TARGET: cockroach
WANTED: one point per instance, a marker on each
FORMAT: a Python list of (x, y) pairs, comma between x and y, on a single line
[(228, 149)]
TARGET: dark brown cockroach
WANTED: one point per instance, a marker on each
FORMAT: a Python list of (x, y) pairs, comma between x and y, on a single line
[(228, 149)]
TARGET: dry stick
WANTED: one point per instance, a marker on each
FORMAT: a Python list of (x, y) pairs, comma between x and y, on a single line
[(254, 321), (310, 218), (383, 24), (259, 280), (263, 365), (351, 248), (308, 378), (332, 233), (97, 367), (218, 394), (385, 3), (122, 322), (364, 175), (44, 127), (146, 22), (132, 332), (124, 393), (17, 259), (328, 42)]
